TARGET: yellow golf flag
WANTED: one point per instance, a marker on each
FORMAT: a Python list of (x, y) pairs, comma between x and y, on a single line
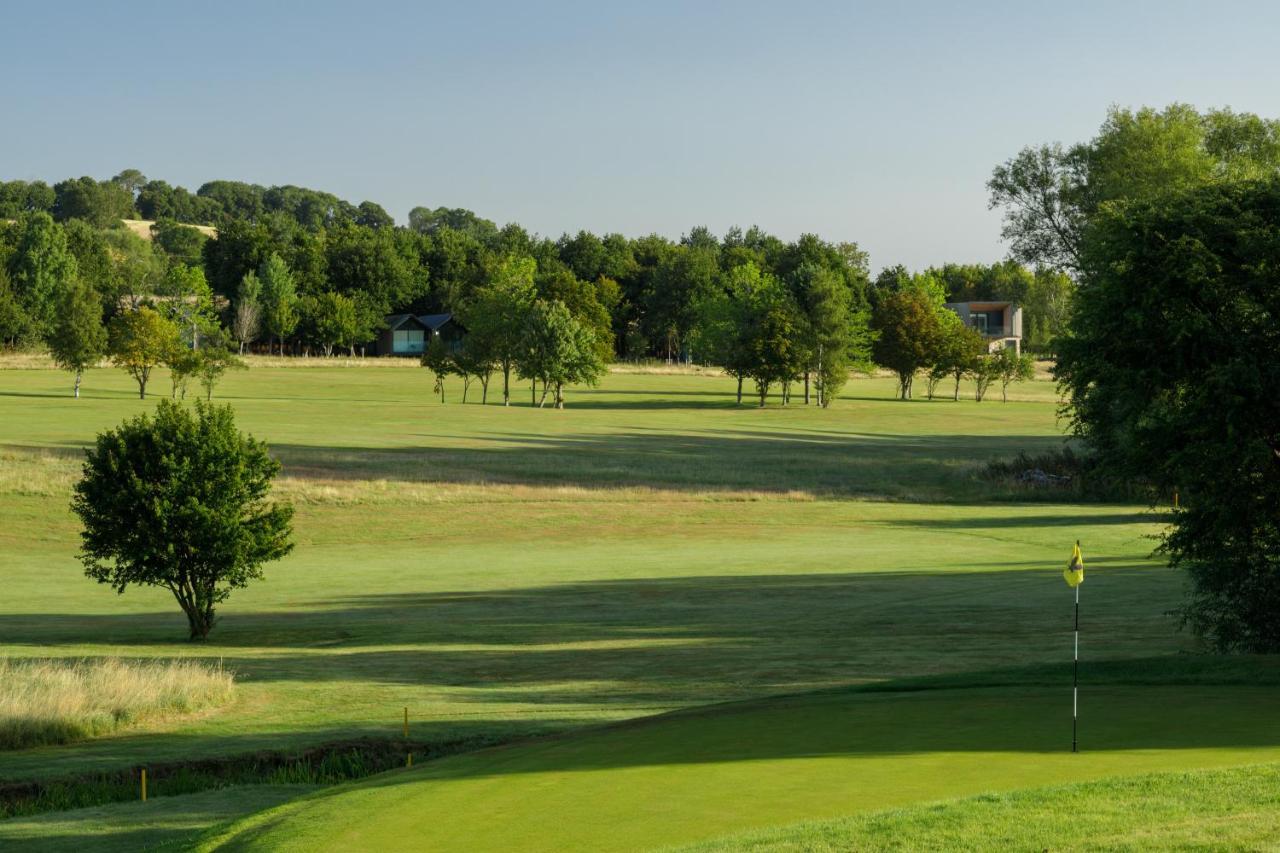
[(1074, 572)]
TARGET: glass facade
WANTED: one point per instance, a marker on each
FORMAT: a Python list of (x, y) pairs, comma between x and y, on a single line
[(408, 341)]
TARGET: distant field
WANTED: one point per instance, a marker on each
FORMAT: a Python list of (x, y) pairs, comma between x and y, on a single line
[(505, 572)]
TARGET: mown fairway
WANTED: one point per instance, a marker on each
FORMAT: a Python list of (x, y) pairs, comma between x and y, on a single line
[(514, 571)]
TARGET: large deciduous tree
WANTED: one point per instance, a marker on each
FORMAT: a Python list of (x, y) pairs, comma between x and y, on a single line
[(100, 203), (180, 501), (42, 266), (836, 335), (909, 335), (1049, 193), (332, 320), (558, 350), (1171, 371)]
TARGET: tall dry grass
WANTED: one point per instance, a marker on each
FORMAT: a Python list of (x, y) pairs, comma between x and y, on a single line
[(59, 701)]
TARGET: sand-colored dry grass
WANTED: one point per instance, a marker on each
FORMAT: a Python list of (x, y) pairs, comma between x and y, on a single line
[(59, 701), (142, 227)]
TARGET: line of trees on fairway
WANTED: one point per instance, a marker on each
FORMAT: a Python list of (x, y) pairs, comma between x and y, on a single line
[(513, 329), (1169, 221), (914, 334), (298, 271)]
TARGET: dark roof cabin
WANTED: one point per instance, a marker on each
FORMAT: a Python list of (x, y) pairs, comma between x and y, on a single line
[(409, 334)]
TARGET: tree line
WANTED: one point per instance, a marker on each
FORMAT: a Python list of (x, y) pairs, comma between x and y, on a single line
[(298, 271)]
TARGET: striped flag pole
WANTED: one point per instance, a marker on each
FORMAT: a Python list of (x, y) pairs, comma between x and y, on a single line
[(1075, 676), (1073, 574)]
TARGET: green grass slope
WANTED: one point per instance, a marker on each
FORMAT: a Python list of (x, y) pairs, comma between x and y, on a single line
[(693, 776), (504, 572), (1232, 809)]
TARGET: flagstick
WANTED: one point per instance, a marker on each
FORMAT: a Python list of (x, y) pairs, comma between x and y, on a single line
[(1075, 675)]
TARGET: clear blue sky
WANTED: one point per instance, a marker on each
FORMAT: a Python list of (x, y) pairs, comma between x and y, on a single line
[(872, 122)]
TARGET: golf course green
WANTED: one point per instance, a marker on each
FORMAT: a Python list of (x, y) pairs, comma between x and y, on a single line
[(654, 618), (692, 776)]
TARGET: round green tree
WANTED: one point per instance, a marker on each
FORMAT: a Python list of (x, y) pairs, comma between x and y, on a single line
[(180, 501), (78, 339)]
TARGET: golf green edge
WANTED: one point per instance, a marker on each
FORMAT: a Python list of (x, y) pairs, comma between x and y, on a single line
[(753, 766)]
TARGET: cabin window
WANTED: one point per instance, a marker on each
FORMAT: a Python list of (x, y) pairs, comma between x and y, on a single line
[(408, 341)]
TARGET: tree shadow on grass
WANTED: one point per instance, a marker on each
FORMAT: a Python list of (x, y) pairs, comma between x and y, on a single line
[(898, 466), (171, 823), (660, 642)]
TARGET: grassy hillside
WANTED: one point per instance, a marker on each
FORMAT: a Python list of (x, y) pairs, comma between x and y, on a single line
[(505, 572)]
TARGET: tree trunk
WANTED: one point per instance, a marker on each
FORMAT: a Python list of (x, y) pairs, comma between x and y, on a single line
[(200, 623), (484, 390), (739, 389), (533, 391), (543, 399), (506, 383), (77, 389), (806, 387), (559, 396)]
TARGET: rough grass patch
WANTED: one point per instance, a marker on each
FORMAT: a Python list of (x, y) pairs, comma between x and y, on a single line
[(51, 701), (39, 473)]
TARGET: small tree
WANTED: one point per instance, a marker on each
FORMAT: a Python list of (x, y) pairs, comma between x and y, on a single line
[(773, 345), (248, 310), (279, 299), (1012, 367), (984, 371), (187, 301), (334, 321), (497, 315), (183, 364), (960, 349), (179, 501), (473, 361), (213, 363), (439, 360), (140, 340), (78, 340)]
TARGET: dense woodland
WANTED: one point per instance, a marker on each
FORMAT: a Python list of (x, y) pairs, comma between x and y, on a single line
[(301, 271)]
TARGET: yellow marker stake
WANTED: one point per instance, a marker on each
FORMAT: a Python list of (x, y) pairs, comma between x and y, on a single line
[(144, 784)]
